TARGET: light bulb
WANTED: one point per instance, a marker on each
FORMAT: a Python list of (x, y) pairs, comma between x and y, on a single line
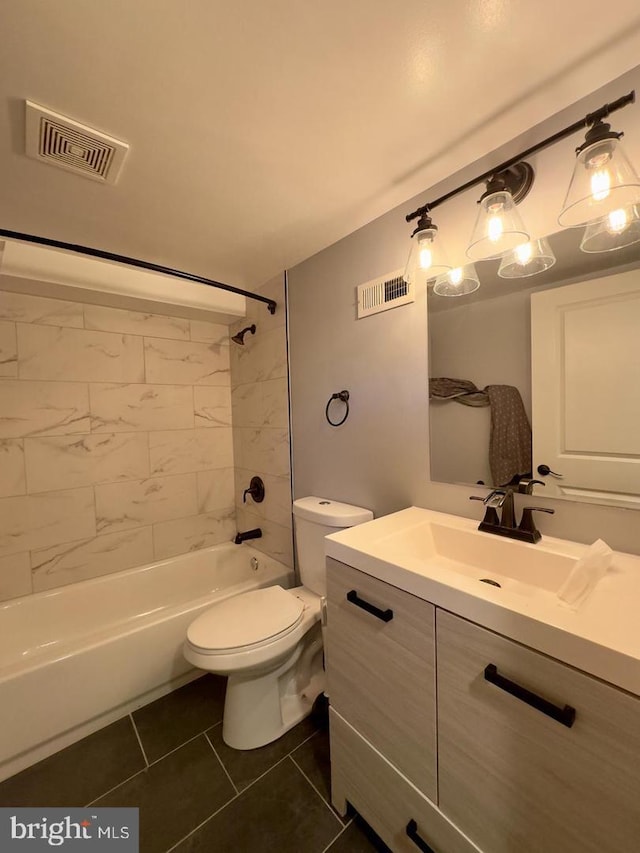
[(425, 253), (523, 253), (455, 276), (494, 228), (600, 184), (617, 221), (426, 258)]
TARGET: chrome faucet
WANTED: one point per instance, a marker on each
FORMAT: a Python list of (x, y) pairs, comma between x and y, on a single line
[(505, 525)]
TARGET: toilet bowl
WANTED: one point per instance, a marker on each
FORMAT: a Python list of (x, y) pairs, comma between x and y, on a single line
[(269, 641)]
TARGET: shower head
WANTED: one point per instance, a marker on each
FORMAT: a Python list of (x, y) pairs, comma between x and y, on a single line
[(239, 338)]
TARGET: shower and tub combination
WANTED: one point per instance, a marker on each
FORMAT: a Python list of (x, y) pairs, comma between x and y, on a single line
[(76, 658)]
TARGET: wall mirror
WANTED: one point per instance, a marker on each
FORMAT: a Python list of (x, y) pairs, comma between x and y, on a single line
[(568, 341)]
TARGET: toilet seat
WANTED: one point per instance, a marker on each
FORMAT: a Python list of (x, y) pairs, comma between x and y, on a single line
[(247, 621)]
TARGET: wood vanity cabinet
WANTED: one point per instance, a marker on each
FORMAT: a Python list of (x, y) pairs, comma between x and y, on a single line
[(531, 755), (380, 659), (513, 777), (381, 669)]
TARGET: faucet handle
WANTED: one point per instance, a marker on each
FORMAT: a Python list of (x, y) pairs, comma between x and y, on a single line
[(256, 490), (528, 525), (490, 516), (495, 498)]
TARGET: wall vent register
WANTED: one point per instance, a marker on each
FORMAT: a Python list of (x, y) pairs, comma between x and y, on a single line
[(383, 293), (61, 141)]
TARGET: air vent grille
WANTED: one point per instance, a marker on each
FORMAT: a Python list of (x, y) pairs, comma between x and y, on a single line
[(383, 293), (64, 142)]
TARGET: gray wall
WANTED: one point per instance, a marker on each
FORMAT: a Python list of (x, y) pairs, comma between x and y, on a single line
[(379, 457)]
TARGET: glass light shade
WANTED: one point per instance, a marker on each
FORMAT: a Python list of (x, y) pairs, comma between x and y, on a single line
[(603, 181), (530, 258), (619, 229), (498, 227), (457, 282), (427, 259)]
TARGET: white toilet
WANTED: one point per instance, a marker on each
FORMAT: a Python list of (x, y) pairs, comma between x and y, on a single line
[(269, 641)]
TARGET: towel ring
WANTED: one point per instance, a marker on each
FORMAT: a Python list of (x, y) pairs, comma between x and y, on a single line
[(344, 397)]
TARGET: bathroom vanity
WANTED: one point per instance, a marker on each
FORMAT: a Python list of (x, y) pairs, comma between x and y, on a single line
[(467, 716)]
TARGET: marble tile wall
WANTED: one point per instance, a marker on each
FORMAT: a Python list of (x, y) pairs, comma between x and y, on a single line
[(260, 407), (116, 443)]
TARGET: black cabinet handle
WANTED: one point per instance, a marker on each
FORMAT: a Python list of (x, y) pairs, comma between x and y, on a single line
[(354, 598), (566, 715), (421, 844)]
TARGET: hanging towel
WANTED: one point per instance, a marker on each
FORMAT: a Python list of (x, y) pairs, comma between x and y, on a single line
[(510, 438), (461, 390), (510, 441)]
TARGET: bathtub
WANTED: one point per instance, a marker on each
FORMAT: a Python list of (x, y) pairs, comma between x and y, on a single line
[(76, 658)]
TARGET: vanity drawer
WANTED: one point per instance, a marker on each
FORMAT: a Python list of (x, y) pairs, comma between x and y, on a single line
[(381, 674), (514, 778), (384, 798)]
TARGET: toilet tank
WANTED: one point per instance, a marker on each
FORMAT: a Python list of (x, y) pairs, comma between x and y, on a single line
[(313, 519)]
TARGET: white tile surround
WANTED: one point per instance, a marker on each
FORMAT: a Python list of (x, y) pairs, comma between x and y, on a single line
[(260, 407), (115, 440)]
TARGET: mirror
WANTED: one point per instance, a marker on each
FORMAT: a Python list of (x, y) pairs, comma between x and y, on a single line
[(566, 339)]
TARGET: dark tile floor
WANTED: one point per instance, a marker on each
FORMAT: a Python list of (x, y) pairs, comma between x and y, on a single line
[(195, 794)]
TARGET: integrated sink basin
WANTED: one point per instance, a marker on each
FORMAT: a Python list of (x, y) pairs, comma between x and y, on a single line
[(478, 555), (450, 549)]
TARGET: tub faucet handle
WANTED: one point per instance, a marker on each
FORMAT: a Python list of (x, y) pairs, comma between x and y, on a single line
[(256, 490)]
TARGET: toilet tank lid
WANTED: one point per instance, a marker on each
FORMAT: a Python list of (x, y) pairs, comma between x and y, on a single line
[(330, 513)]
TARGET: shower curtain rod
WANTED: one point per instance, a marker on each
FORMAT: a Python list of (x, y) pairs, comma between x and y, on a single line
[(133, 262)]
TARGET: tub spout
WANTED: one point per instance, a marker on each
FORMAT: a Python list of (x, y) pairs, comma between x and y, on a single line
[(256, 533)]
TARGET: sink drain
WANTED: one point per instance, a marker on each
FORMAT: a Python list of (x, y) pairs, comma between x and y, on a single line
[(491, 582)]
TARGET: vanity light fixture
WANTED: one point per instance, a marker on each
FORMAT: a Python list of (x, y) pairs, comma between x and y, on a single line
[(530, 258), (460, 281), (619, 229), (613, 190), (604, 182), (427, 258)]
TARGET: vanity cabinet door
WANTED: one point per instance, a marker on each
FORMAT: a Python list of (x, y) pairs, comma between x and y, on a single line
[(518, 771), (381, 669), (405, 820)]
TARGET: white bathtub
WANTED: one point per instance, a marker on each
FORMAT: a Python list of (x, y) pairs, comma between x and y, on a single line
[(76, 658)]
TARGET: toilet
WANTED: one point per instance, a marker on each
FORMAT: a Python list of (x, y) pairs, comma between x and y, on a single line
[(269, 641)]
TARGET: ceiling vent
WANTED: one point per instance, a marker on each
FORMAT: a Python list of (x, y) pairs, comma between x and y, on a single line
[(61, 141), (383, 293)]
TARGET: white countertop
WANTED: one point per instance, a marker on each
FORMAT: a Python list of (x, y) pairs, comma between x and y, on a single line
[(601, 637)]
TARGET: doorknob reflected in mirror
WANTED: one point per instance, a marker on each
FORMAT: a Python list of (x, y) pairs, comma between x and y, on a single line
[(544, 471)]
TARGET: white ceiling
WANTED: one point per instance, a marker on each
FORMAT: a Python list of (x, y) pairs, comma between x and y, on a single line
[(261, 132)]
